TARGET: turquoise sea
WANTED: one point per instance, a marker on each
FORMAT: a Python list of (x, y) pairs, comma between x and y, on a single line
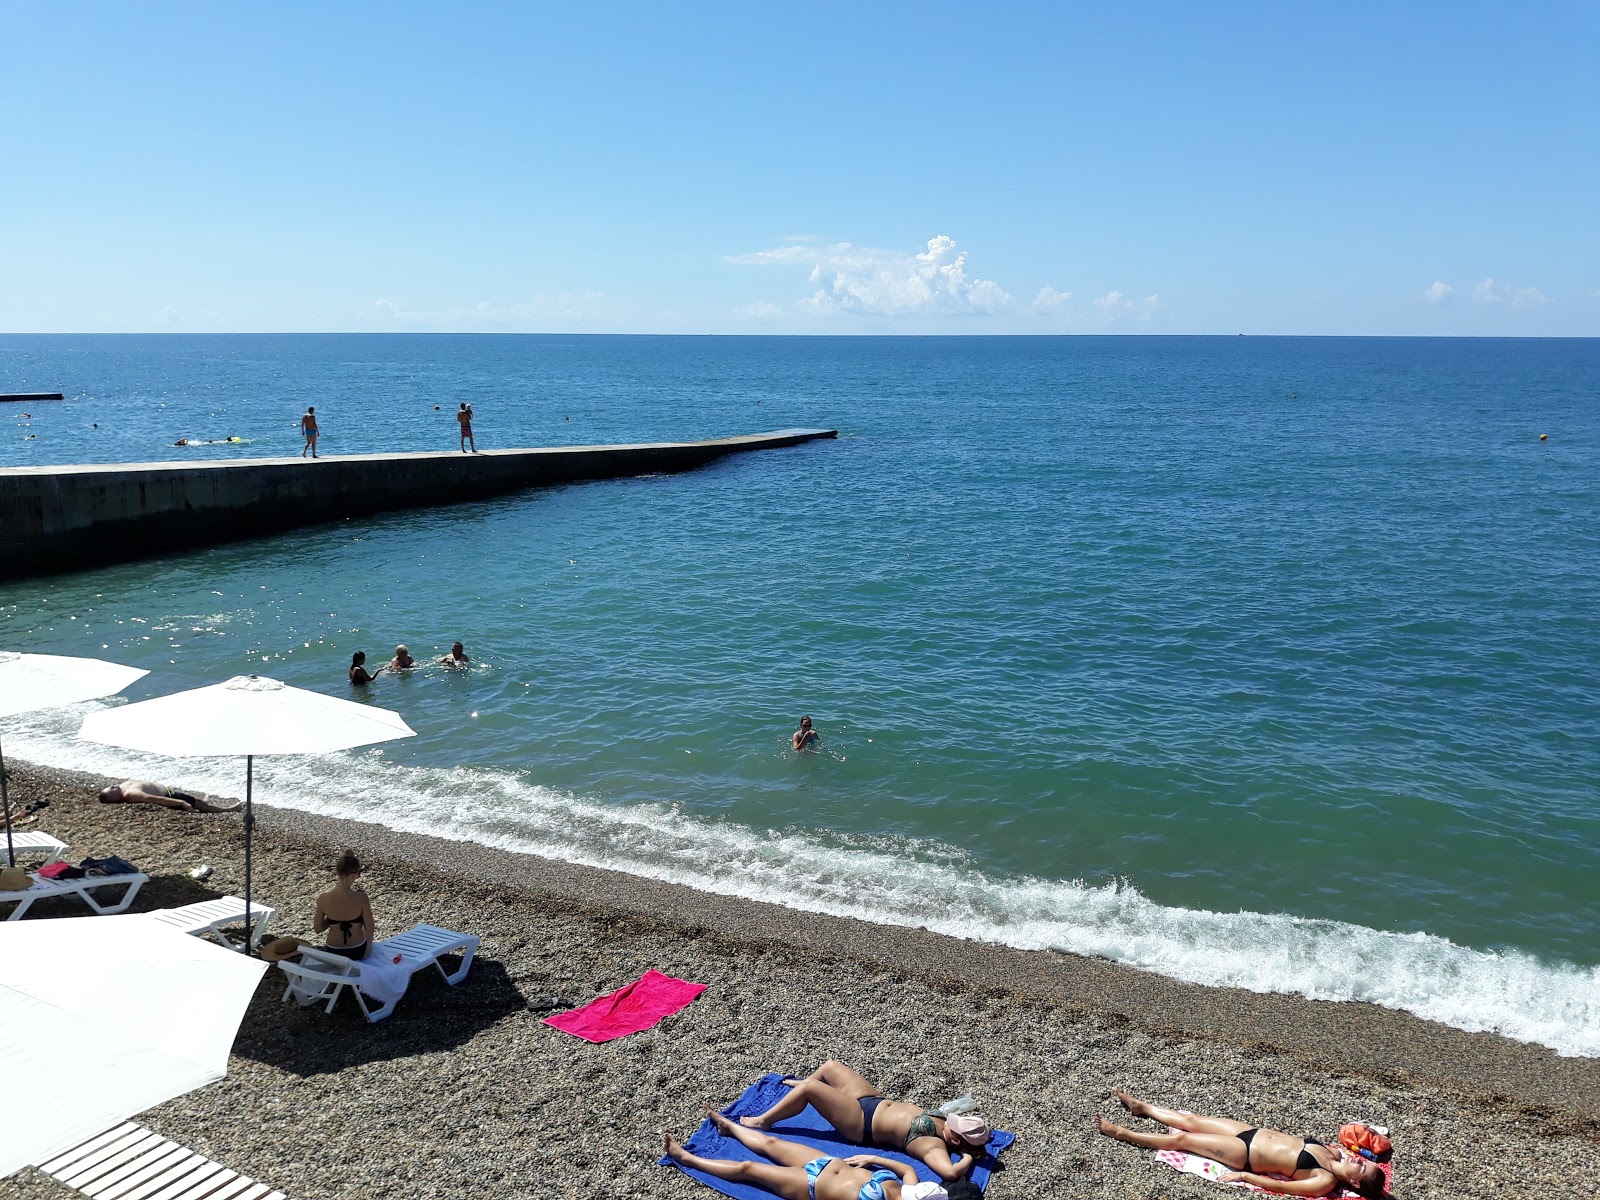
[(1268, 662)]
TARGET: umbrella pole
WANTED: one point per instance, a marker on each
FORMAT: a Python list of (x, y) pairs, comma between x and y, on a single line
[(249, 828), (5, 803)]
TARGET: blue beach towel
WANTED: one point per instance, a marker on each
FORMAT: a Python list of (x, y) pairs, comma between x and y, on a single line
[(808, 1127)]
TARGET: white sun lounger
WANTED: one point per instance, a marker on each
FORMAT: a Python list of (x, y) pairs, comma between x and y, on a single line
[(208, 917), (320, 975), (34, 842), (44, 889), (130, 1162)]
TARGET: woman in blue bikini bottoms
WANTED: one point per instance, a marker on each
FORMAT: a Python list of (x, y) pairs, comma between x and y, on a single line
[(796, 1172), (860, 1112)]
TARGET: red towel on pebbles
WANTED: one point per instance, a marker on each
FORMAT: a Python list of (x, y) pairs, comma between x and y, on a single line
[(641, 1005)]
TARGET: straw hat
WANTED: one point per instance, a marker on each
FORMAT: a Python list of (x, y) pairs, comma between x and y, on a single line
[(279, 949), (14, 879)]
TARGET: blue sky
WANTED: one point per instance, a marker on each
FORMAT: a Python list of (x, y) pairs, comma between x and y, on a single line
[(824, 168)]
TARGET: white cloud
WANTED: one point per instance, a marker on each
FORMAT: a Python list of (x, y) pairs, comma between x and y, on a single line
[(1114, 305), (534, 313), (858, 279), (759, 312), (1051, 300), (1523, 299), (1438, 292)]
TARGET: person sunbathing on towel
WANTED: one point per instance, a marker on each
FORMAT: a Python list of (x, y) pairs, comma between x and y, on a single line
[(798, 1172), (142, 791), (860, 1112), (1312, 1168)]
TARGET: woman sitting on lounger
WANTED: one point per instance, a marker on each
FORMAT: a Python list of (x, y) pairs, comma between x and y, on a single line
[(860, 1112), (797, 1172), (344, 913), (1312, 1168)]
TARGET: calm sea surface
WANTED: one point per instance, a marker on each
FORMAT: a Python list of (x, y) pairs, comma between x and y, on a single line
[(1263, 662)]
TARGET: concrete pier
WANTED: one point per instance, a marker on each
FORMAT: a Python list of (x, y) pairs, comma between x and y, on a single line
[(67, 518)]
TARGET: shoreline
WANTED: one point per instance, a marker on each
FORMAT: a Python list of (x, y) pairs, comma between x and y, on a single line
[(1039, 1036)]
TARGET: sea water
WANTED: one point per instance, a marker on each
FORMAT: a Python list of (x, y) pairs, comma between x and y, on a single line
[(1268, 663)]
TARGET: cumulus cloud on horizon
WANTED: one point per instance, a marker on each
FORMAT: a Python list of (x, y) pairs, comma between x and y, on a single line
[(488, 315), (1522, 299), (889, 283), (1440, 291), (1114, 304)]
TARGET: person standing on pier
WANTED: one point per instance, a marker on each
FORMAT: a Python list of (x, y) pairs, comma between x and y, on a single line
[(308, 426), (465, 417)]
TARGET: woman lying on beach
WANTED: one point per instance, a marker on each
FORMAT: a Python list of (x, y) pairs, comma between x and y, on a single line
[(798, 1172), (1313, 1169), (859, 1111), (344, 913), (142, 791)]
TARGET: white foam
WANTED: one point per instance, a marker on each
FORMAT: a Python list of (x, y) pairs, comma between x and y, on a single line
[(898, 882)]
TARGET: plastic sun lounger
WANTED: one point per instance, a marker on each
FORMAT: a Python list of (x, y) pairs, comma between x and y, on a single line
[(129, 1162), (208, 917), (44, 889), (322, 976), (34, 842)]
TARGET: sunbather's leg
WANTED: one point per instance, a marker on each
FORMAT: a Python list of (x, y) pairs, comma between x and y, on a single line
[(206, 804), (1193, 1122), (789, 1182), (838, 1108), (833, 1089), (1224, 1148), (779, 1150)]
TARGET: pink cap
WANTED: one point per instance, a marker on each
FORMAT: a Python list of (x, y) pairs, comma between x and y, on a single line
[(971, 1129)]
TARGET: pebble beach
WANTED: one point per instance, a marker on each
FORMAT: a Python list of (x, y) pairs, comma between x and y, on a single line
[(465, 1092)]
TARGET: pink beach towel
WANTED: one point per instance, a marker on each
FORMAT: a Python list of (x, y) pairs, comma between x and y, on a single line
[(1206, 1168), (641, 1005)]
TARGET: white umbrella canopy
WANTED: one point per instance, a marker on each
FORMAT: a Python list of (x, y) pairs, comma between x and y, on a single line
[(248, 715), (104, 1017), (29, 682)]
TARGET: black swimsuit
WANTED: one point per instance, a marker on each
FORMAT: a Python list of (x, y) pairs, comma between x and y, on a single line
[(1306, 1161)]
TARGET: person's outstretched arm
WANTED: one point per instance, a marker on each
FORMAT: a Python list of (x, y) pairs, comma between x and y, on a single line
[(1289, 1187)]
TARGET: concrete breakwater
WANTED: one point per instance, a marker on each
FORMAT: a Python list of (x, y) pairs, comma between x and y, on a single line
[(66, 518)]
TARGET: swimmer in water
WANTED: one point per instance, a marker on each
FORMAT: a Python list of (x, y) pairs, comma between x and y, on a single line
[(457, 656), (805, 735), (402, 660), (358, 669)]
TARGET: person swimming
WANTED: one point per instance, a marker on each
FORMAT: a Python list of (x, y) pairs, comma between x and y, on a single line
[(804, 736), (402, 660), (457, 656)]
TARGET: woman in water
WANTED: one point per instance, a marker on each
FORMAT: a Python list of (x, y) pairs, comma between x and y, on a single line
[(1312, 1168), (859, 1111), (358, 668), (805, 735), (797, 1172), (344, 913)]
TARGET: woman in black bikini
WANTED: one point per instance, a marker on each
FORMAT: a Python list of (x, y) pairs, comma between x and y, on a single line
[(358, 668), (344, 913), (859, 1111), (1312, 1168)]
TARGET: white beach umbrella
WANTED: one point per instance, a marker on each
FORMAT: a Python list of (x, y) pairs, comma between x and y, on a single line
[(29, 682), (104, 1017), (248, 715)]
